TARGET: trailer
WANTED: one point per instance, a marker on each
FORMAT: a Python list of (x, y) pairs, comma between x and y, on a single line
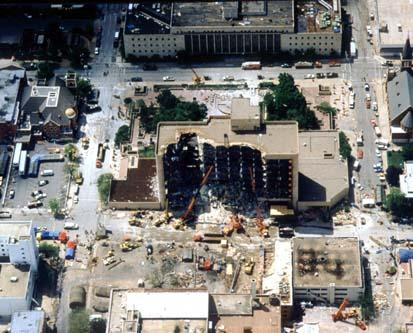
[(251, 65), (16, 156), (23, 163), (353, 49)]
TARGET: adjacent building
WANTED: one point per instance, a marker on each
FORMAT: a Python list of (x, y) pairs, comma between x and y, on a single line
[(28, 322), (48, 111), (18, 268), (327, 269), (406, 180), (233, 27), (400, 97), (12, 81)]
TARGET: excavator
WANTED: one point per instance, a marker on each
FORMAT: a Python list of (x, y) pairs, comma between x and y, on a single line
[(259, 221), (179, 223), (343, 315)]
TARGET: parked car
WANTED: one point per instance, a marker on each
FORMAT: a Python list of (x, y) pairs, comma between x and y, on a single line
[(228, 78), (43, 182), (34, 204), (320, 75), (168, 78), (76, 199), (366, 87), (11, 194), (71, 226), (136, 79), (309, 76), (40, 196), (285, 65), (331, 75), (4, 214), (96, 50), (36, 193)]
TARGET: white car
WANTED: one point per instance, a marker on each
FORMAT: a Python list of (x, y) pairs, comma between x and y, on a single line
[(366, 86), (375, 108), (350, 86), (309, 76), (228, 78), (378, 153), (168, 78), (76, 199), (368, 97), (40, 196), (71, 226), (96, 50)]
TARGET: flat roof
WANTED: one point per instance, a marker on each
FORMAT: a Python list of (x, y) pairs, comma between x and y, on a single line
[(160, 311), (16, 229), (241, 108), (319, 261), (10, 83), (276, 139), (148, 18), (232, 304), (317, 16), (139, 186), (278, 281), (27, 322), (236, 14), (320, 150), (406, 288), (16, 289)]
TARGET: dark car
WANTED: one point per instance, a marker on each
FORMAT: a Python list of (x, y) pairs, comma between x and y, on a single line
[(285, 65), (332, 75), (149, 249), (136, 79), (93, 97), (149, 67), (320, 75)]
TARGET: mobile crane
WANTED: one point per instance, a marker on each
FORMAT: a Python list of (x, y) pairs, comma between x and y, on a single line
[(185, 217), (196, 78), (343, 315), (263, 230)]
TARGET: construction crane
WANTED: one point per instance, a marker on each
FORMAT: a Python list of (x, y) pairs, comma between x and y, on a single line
[(343, 315), (184, 218), (259, 221), (196, 78)]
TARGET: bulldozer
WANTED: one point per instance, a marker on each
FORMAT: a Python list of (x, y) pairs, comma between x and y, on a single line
[(127, 246), (249, 266)]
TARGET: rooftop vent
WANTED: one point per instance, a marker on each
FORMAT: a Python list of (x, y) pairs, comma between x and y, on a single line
[(14, 279)]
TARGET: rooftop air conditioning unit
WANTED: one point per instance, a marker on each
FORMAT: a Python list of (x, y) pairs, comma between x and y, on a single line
[(14, 279)]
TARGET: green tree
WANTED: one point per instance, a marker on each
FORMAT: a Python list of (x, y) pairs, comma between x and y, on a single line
[(407, 152), (83, 88), (71, 152), (392, 175), (127, 100), (104, 183), (71, 168), (54, 206), (325, 107), (78, 57), (396, 201), (98, 325), (122, 135), (286, 102), (45, 70), (167, 100), (49, 250), (79, 322), (345, 148)]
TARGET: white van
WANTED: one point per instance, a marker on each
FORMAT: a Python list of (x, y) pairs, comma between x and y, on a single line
[(71, 226), (47, 172)]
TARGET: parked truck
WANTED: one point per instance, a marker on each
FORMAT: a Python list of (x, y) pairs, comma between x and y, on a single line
[(16, 156), (251, 65), (100, 156), (23, 163), (353, 49)]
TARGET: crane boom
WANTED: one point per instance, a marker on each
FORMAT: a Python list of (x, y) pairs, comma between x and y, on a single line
[(197, 79), (339, 313), (192, 202)]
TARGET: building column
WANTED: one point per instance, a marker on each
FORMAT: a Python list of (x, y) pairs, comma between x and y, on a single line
[(161, 180)]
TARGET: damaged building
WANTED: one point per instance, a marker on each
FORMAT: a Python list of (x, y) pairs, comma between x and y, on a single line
[(272, 161)]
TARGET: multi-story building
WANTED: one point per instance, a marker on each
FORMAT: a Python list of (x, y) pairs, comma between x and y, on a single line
[(233, 27), (18, 268)]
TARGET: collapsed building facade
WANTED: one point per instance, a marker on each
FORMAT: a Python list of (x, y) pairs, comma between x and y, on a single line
[(271, 162)]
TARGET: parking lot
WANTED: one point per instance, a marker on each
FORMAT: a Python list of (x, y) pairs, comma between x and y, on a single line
[(24, 186)]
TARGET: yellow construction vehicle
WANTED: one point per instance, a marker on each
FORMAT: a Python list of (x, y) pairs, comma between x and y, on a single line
[(134, 221), (127, 246), (196, 78), (79, 178), (85, 142), (249, 266)]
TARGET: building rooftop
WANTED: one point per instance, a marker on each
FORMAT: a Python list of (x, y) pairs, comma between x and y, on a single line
[(279, 279), (320, 149), (236, 313), (10, 78), (15, 229), (27, 322), (406, 289), (139, 185), (400, 92), (318, 16), (319, 261), (236, 14), (14, 280), (148, 18), (241, 108), (276, 139), (159, 310), (406, 179)]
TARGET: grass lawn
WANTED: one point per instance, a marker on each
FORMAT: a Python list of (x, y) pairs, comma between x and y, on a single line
[(147, 152), (395, 158)]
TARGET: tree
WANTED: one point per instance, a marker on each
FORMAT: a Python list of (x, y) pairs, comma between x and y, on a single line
[(104, 183), (407, 152), (49, 250), (392, 175), (122, 135), (167, 100), (79, 322), (325, 107), (396, 201), (44, 70), (345, 148), (83, 88), (54, 206), (286, 102), (127, 100), (71, 152), (98, 325), (78, 57)]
